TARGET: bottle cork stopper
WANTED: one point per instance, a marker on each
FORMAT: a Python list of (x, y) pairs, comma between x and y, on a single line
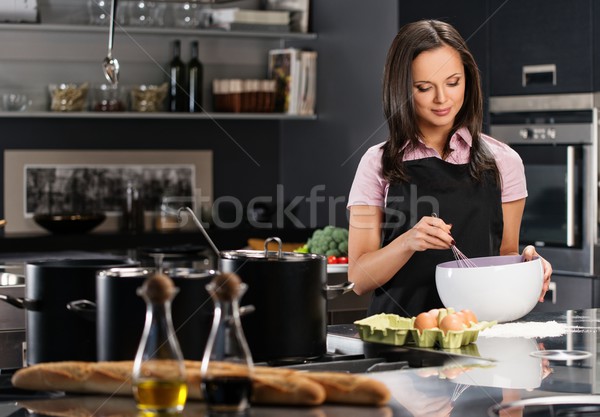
[(158, 288), (227, 286)]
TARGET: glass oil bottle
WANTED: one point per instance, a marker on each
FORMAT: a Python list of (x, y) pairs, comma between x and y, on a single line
[(227, 365), (158, 378)]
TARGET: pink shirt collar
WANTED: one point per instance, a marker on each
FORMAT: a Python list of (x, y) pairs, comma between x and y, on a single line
[(460, 143)]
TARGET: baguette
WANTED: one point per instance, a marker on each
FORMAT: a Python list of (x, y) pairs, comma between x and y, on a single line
[(286, 389), (82, 377), (351, 389), (269, 385)]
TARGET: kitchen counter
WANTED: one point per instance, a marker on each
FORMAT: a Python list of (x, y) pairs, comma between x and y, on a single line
[(225, 239), (460, 382)]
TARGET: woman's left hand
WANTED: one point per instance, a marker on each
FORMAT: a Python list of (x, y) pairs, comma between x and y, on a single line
[(528, 254)]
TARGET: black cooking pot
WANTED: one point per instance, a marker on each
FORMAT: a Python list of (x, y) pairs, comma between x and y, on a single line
[(289, 292), (120, 312), (54, 333)]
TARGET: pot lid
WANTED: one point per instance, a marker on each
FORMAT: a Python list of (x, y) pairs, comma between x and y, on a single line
[(270, 255), (267, 255)]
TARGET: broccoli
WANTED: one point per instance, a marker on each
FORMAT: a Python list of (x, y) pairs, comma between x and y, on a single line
[(329, 241)]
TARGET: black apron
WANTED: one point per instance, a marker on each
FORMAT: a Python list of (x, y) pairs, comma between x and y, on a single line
[(473, 208)]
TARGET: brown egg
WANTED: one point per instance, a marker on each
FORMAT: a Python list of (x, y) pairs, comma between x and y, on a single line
[(451, 322), (434, 312), (425, 321), (464, 318), (470, 315)]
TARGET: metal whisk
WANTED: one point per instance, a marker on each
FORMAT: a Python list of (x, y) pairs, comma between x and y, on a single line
[(458, 390), (461, 259)]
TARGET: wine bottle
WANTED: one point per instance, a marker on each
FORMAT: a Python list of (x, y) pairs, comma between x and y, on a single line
[(177, 84), (195, 78)]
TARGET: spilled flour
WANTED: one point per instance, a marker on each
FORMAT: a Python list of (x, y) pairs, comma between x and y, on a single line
[(527, 330)]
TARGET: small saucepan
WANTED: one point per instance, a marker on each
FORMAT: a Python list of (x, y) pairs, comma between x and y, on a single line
[(53, 333)]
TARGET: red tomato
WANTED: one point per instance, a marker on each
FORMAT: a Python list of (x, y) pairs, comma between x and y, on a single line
[(332, 259), (342, 260)]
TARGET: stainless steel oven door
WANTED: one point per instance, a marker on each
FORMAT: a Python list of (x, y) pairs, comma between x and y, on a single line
[(559, 152), (553, 213)]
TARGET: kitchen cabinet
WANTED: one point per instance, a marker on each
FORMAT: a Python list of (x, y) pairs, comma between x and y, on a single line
[(32, 56), (570, 292), (541, 47)]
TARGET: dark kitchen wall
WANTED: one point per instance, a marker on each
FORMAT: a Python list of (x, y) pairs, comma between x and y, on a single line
[(353, 38), (245, 153)]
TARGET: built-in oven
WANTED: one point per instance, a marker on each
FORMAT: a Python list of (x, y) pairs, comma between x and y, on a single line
[(556, 137)]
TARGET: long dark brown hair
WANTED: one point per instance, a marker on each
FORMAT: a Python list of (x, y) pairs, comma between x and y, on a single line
[(399, 109)]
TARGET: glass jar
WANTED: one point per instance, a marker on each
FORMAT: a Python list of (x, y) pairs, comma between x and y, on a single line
[(68, 97), (186, 15), (158, 377), (108, 98), (227, 392), (149, 98), (145, 13), (99, 12)]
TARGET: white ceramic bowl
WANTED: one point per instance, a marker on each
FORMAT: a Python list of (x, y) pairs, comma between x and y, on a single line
[(501, 288)]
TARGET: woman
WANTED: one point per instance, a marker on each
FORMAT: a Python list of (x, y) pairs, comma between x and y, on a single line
[(436, 181)]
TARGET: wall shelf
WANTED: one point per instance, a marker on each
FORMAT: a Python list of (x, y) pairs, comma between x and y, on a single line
[(41, 27), (154, 115)]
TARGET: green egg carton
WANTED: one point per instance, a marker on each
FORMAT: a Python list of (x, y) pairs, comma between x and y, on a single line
[(470, 350), (453, 339), (427, 338), (390, 329)]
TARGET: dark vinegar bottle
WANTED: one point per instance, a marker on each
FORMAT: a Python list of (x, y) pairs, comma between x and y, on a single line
[(195, 72), (177, 83)]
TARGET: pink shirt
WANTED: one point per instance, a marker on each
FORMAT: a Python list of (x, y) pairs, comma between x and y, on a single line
[(370, 189)]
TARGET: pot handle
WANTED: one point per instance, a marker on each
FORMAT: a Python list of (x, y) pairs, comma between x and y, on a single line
[(247, 310), (333, 291), (23, 303), (83, 308), (273, 239)]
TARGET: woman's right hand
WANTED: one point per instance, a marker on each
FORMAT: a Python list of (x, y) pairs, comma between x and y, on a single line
[(429, 233), (370, 265)]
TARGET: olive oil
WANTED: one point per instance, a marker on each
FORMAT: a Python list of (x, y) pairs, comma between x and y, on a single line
[(160, 395), (158, 376)]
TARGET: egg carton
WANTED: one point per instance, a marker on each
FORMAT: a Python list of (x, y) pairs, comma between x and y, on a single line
[(390, 329), (393, 329), (452, 339)]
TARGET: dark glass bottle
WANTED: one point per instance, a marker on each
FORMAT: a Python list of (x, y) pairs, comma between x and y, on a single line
[(225, 393), (133, 210), (195, 78), (177, 82)]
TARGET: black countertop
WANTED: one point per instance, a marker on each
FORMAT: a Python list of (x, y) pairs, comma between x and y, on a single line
[(503, 366), (520, 367)]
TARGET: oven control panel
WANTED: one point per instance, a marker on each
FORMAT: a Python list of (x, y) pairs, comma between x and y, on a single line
[(537, 133)]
